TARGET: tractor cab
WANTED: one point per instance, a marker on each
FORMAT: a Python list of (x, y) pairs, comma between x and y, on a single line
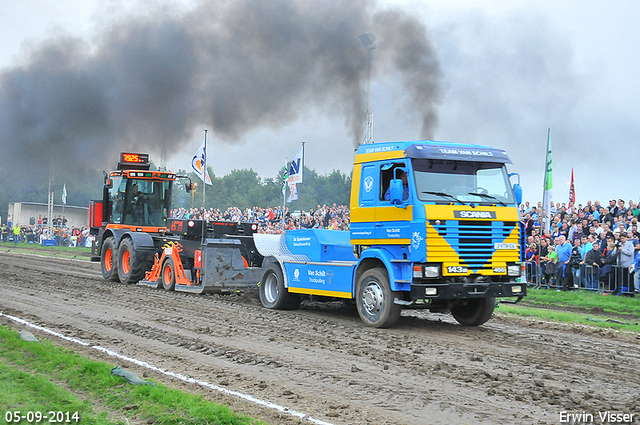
[(134, 197)]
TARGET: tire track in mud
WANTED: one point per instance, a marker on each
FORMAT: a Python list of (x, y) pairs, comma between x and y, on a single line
[(323, 361)]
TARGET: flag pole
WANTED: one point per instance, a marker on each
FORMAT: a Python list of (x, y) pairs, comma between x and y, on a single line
[(284, 187), (302, 178), (204, 186), (548, 184), (204, 170)]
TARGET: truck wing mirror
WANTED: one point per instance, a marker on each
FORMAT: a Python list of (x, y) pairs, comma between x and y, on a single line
[(108, 183), (396, 192), (188, 187), (517, 191)]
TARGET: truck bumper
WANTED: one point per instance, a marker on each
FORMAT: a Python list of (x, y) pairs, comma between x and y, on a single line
[(450, 291)]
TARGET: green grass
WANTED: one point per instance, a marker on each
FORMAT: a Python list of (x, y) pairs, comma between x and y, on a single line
[(53, 251), (578, 307), (589, 301), (44, 377), (571, 318)]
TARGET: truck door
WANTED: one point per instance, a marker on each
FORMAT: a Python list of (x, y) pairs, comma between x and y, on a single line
[(363, 224), (393, 223)]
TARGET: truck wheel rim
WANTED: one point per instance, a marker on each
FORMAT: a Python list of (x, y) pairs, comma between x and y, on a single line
[(373, 299), (271, 288), (126, 256), (108, 259)]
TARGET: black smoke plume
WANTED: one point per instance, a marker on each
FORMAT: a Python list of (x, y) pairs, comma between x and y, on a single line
[(147, 82)]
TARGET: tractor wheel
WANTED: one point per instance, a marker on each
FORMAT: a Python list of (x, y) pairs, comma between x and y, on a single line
[(130, 268), (273, 294), (108, 259), (169, 275), (473, 311), (375, 299)]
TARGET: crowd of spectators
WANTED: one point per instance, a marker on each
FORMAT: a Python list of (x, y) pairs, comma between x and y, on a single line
[(40, 232), (592, 246), (275, 220)]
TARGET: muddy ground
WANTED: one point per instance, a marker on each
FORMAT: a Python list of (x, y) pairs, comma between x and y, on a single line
[(322, 361)]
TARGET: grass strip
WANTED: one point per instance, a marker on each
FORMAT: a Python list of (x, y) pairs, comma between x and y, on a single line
[(80, 253), (27, 369), (585, 300), (22, 392), (571, 317)]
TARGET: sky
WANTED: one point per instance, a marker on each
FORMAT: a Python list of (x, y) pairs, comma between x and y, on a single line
[(494, 73)]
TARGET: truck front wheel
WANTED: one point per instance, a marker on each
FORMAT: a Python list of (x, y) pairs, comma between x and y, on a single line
[(273, 294), (108, 259), (375, 299), (473, 311)]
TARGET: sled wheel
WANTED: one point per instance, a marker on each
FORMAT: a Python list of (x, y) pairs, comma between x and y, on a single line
[(169, 275)]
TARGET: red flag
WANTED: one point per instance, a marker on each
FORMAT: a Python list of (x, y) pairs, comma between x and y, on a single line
[(572, 190)]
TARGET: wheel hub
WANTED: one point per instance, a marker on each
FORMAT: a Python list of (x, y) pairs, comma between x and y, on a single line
[(373, 298), (271, 288)]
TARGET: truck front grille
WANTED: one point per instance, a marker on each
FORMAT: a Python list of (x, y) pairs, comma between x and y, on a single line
[(474, 240)]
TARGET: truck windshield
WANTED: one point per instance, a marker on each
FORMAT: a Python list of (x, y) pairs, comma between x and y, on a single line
[(479, 182), (140, 201)]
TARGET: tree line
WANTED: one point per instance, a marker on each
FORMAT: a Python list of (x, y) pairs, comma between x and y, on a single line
[(242, 188), (245, 188)]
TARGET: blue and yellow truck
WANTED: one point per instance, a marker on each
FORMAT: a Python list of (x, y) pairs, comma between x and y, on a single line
[(434, 225)]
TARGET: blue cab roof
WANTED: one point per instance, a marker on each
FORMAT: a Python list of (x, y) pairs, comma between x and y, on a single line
[(438, 150)]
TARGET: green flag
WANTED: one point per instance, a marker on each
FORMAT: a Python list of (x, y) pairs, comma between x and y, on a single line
[(548, 184)]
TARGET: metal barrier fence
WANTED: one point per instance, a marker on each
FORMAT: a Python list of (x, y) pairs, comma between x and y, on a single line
[(617, 280), (607, 279), (542, 274)]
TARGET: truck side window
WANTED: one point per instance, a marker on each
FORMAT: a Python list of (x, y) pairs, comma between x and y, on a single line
[(386, 176)]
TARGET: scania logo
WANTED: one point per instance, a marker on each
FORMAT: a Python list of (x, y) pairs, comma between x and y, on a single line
[(474, 214), (368, 183)]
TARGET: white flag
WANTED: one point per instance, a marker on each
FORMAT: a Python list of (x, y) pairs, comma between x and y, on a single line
[(197, 163), (295, 169), (64, 194), (294, 192)]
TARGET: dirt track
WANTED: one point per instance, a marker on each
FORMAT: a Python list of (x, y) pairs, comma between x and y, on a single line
[(322, 361)]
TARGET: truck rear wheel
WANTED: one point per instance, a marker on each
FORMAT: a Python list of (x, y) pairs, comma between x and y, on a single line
[(108, 259), (130, 268), (473, 311), (375, 299), (273, 294), (169, 275)]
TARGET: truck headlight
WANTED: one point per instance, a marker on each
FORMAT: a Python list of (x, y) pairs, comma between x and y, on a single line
[(431, 271), (513, 270), (516, 289)]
